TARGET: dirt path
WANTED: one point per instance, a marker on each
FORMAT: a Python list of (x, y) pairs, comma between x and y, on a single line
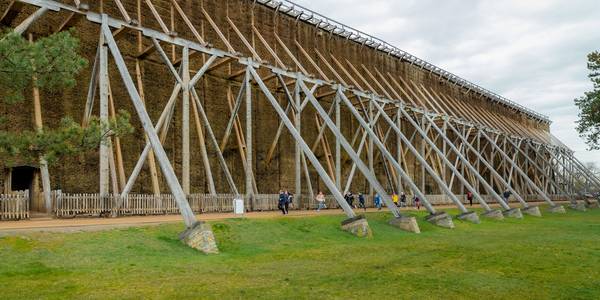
[(47, 224)]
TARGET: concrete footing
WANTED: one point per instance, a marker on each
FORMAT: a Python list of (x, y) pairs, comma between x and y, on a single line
[(513, 213), (495, 214), (532, 211), (441, 219), (592, 203), (357, 226), (406, 223), (200, 237), (470, 216), (579, 205), (557, 209)]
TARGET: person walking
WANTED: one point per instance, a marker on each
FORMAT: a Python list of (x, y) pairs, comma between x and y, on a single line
[(350, 199), (402, 199), (291, 200), (320, 201), (470, 198), (361, 201), (506, 195), (395, 198), (281, 203), (417, 203), (378, 201), (286, 202)]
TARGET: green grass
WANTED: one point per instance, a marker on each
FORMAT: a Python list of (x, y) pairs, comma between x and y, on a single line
[(557, 256)]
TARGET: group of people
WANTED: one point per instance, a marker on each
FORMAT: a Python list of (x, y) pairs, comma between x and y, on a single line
[(286, 200), (349, 197), (399, 200)]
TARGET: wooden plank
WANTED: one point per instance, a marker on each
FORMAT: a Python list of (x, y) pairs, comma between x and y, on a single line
[(187, 21), (291, 55), (244, 40), (217, 30), (157, 17), (312, 62)]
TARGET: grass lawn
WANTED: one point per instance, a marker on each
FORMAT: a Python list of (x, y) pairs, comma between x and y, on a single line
[(557, 256)]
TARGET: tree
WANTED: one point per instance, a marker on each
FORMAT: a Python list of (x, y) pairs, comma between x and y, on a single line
[(588, 124), (50, 64)]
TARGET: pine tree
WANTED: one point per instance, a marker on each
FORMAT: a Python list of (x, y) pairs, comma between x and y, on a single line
[(588, 124), (51, 64)]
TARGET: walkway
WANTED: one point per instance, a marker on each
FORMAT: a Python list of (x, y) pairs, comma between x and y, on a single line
[(47, 224)]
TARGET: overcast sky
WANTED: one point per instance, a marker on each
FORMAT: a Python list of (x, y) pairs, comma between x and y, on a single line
[(530, 51)]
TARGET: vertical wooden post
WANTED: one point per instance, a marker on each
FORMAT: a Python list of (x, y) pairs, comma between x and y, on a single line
[(399, 148), (338, 147), (104, 167), (185, 126), (140, 86), (249, 163), (298, 153), (371, 152)]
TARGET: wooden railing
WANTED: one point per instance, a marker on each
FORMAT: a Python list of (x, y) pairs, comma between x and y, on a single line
[(14, 206)]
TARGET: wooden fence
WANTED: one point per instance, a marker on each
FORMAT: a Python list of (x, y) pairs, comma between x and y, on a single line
[(14, 206)]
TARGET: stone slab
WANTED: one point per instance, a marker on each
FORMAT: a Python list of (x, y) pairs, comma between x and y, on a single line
[(357, 226), (513, 213), (495, 214), (406, 223), (592, 203), (441, 219), (579, 205), (470, 216), (557, 209), (201, 238), (532, 211)]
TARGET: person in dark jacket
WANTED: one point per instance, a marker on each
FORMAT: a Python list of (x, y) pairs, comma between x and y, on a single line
[(506, 195), (361, 201), (349, 199), (417, 202), (402, 199), (282, 202), (287, 202)]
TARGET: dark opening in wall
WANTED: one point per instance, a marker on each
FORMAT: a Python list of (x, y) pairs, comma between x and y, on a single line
[(22, 178)]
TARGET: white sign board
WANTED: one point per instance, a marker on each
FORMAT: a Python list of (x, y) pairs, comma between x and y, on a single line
[(238, 206)]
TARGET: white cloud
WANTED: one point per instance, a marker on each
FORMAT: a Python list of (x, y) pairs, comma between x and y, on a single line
[(533, 52)]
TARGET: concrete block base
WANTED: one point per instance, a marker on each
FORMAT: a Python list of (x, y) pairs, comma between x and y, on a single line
[(494, 214), (513, 213), (406, 223), (470, 216), (592, 203), (557, 209), (357, 226), (579, 205), (200, 237), (532, 211), (441, 219)]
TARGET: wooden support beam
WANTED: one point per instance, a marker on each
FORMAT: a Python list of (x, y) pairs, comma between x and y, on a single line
[(157, 17), (187, 22), (243, 39), (291, 55), (217, 30)]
